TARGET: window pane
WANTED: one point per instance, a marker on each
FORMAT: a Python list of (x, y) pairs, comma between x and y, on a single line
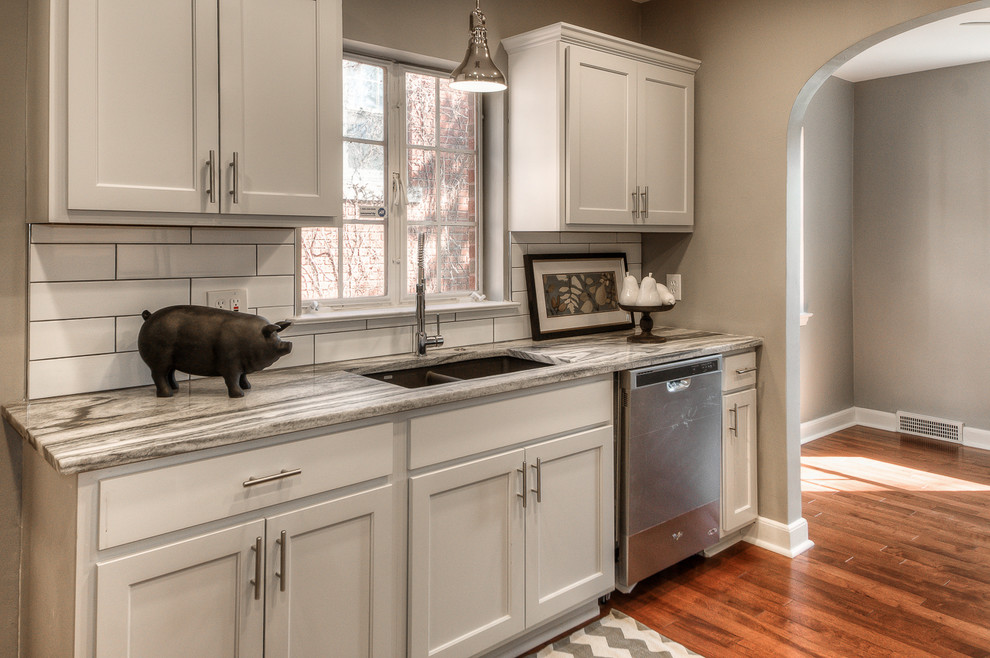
[(364, 101), (422, 186), (457, 173), (318, 252), (421, 109), (364, 260), (458, 259), (457, 108), (364, 177), (429, 257)]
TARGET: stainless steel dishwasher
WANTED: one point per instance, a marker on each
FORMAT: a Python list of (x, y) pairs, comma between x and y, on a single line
[(669, 465)]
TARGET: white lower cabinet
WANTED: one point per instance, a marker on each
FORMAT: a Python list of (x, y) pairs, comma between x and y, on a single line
[(501, 544), (739, 444), (314, 581)]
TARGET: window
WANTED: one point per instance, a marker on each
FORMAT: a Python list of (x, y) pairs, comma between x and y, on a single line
[(411, 166)]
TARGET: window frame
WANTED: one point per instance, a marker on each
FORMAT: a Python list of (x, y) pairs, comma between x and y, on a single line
[(397, 266)]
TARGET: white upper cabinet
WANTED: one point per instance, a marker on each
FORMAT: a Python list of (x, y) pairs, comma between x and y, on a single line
[(601, 133), (202, 106)]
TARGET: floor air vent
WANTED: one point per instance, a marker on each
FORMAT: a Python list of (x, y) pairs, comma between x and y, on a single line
[(933, 428)]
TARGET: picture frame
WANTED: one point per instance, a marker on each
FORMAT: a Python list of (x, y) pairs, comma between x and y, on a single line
[(575, 294)]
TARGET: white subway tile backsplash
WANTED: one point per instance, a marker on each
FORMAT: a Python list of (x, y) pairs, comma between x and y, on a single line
[(68, 234), (90, 284), (471, 332), (275, 313), (302, 354), (92, 299), (276, 259), (146, 261), (587, 237), (243, 235), (87, 373), (567, 248), (262, 290), (71, 262), (518, 279), (359, 344), (512, 328), (127, 330), (64, 338)]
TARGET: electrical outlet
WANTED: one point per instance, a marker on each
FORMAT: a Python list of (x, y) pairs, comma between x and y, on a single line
[(674, 285), (227, 300)]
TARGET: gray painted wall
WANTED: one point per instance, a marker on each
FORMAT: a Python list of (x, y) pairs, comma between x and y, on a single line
[(827, 339), (739, 266), (922, 244), (13, 293)]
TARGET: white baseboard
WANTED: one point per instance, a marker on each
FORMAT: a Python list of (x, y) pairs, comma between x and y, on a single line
[(881, 420), (787, 540), (816, 429)]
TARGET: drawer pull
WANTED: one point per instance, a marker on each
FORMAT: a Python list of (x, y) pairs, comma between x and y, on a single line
[(743, 371), (284, 473)]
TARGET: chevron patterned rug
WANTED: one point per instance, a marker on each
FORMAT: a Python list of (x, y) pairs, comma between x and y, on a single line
[(614, 636)]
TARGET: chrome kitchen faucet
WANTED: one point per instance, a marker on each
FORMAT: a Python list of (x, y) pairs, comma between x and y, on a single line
[(422, 340)]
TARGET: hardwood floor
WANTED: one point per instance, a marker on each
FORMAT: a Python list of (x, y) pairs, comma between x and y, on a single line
[(900, 566)]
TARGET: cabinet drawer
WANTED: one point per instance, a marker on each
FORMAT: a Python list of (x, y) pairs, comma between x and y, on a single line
[(491, 425), (739, 371), (153, 502)]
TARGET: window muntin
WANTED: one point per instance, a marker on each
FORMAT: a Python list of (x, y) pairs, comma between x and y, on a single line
[(430, 136)]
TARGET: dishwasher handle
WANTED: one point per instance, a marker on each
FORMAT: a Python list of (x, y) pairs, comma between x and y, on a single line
[(678, 385)]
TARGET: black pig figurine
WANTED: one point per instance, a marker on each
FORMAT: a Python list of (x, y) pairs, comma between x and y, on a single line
[(200, 340)]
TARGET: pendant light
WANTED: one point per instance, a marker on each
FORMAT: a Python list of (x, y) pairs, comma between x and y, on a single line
[(477, 72)]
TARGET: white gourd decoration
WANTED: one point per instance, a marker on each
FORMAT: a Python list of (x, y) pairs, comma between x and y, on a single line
[(666, 297)]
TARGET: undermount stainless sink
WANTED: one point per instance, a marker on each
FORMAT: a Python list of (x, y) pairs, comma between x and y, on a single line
[(443, 373)]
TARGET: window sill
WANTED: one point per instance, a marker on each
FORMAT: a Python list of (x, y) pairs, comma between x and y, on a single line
[(351, 314)]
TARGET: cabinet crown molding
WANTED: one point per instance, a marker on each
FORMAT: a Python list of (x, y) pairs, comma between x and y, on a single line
[(573, 34)]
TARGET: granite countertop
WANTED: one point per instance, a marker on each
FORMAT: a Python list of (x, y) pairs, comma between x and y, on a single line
[(90, 431)]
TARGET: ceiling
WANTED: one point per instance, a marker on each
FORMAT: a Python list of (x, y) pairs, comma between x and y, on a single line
[(960, 39)]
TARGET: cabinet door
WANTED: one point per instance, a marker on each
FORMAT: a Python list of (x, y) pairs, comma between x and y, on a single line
[(329, 579), (142, 104), (280, 106), (191, 598), (570, 545), (600, 167), (466, 557), (739, 492), (666, 145)]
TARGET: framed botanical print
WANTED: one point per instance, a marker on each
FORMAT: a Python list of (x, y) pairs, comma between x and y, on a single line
[(573, 294)]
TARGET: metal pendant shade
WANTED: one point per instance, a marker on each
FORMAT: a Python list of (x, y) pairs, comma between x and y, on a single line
[(477, 72)]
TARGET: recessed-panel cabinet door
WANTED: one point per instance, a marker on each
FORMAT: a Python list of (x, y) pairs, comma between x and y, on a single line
[(739, 484), (280, 106), (142, 104), (466, 557), (666, 146), (330, 578), (570, 548), (191, 598), (600, 165)]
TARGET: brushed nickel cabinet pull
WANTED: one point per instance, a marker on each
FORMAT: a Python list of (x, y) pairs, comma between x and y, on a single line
[(235, 165), (284, 473), (539, 480), (733, 425), (743, 371), (211, 192), (257, 569), (281, 574), (635, 201), (524, 493), (645, 210)]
